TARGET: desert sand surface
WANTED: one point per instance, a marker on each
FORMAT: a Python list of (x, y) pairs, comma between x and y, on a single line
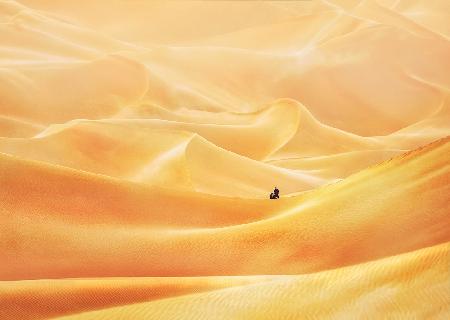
[(140, 140)]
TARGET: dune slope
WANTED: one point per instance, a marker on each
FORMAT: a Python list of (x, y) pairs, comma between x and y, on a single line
[(383, 288), (297, 239)]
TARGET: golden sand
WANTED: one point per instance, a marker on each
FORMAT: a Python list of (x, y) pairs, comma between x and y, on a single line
[(139, 141)]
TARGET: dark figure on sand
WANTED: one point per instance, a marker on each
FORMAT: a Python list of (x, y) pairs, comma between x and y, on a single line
[(275, 194)]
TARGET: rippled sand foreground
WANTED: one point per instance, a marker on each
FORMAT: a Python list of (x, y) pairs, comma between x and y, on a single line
[(139, 142)]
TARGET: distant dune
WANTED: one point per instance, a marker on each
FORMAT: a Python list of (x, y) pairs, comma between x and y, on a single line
[(140, 140)]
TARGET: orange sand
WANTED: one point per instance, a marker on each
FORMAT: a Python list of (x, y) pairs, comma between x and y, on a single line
[(139, 141)]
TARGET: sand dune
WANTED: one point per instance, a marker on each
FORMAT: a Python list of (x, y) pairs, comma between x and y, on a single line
[(415, 269), (61, 92), (296, 238), (366, 291), (108, 292), (139, 142), (190, 75), (344, 163), (17, 128), (181, 159)]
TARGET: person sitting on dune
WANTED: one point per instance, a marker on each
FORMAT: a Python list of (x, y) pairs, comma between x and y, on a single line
[(275, 194)]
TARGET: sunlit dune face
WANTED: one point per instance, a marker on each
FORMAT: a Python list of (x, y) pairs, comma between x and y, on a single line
[(140, 142)]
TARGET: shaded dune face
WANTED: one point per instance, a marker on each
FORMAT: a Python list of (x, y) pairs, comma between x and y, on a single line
[(296, 238), (139, 143)]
